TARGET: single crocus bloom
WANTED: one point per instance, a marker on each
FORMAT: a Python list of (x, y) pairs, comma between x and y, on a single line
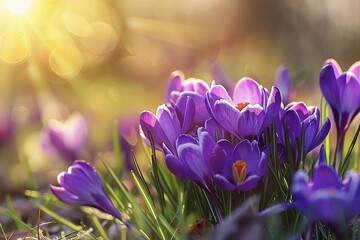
[(180, 89), (248, 112), (82, 186), (195, 158), (297, 118), (342, 92), (68, 138), (326, 197), (245, 165), (166, 125), (283, 82)]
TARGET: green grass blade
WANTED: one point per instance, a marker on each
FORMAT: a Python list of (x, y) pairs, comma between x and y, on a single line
[(98, 227), (20, 225), (59, 218), (117, 149), (345, 165), (149, 203), (11, 212)]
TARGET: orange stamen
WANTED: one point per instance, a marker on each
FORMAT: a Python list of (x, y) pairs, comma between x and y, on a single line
[(239, 170), (242, 105)]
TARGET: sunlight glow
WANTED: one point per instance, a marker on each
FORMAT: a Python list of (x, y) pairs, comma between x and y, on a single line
[(15, 47), (17, 7)]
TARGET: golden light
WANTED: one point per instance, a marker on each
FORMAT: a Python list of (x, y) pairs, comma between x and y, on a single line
[(66, 61), (17, 7), (14, 47)]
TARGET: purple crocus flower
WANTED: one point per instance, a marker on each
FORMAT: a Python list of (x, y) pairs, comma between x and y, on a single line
[(196, 158), (180, 89), (128, 130), (341, 91), (6, 127), (166, 125), (283, 82), (68, 138), (249, 112), (298, 116), (178, 84), (221, 78), (245, 165), (326, 197), (82, 186)]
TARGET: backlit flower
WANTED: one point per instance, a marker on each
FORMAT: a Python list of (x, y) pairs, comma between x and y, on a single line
[(297, 118), (180, 89), (68, 138), (326, 197), (283, 82), (82, 186), (342, 92), (244, 166), (248, 112), (195, 158), (165, 126)]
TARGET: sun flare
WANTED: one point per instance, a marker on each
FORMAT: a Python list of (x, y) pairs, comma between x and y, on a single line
[(17, 7)]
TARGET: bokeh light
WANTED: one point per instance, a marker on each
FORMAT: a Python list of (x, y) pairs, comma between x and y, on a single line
[(66, 61), (14, 47), (17, 6)]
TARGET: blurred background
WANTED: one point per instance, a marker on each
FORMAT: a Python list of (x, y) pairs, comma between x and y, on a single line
[(110, 59)]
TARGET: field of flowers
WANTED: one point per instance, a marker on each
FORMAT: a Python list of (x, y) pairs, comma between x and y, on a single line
[(179, 120)]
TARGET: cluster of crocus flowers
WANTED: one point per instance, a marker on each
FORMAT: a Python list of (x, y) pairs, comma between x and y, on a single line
[(215, 139), (237, 139)]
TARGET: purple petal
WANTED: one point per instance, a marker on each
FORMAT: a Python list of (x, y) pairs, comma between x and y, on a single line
[(248, 152), (224, 183), (321, 135), (177, 167), (174, 84), (66, 196), (250, 122), (329, 86), (185, 108), (355, 68), (249, 183), (103, 203), (149, 124), (335, 66), (325, 177), (227, 115), (247, 90)]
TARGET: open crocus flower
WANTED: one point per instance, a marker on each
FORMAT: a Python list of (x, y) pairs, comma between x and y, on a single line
[(165, 126), (326, 197), (68, 138), (195, 158), (249, 112), (245, 165), (180, 89), (298, 116), (82, 186), (341, 91)]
